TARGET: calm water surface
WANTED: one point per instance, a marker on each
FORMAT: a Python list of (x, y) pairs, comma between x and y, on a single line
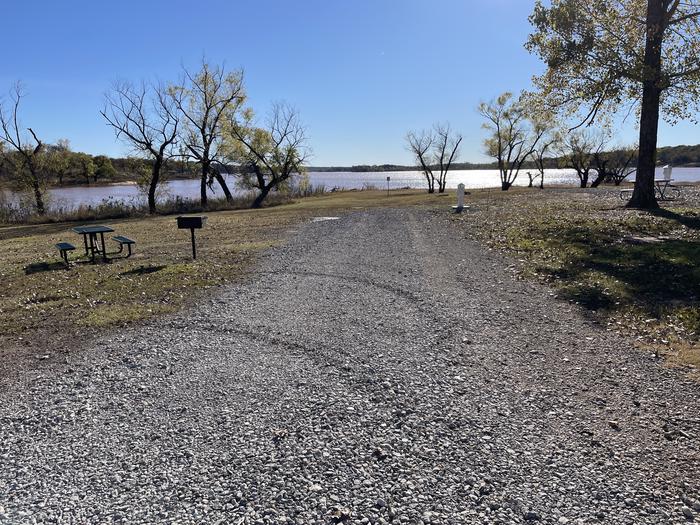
[(74, 196)]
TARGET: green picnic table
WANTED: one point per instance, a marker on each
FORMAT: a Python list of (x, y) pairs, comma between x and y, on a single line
[(90, 234)]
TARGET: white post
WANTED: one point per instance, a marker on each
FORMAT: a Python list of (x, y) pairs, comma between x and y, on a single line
[(667, 172), (460, 199)]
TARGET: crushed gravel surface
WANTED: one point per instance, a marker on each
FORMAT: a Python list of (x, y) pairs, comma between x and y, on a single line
[(378, 368)]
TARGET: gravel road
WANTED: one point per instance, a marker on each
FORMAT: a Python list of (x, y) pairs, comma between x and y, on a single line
[(378, 368)]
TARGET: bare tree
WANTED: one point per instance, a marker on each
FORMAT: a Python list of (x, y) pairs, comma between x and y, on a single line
[(26, 164), (145, 117), (268, 156), (542, 148), (420, 144), (577, 149), (445, 152), (532, 177), (512, 139), (613, 166), (435, 151), (207, 99)]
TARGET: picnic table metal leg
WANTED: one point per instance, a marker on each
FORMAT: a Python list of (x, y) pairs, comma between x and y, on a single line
[(93, 247), (662, 192), (86, 243), (104, 249)]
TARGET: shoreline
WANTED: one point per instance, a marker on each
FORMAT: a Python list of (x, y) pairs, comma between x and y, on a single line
[(7, 187)]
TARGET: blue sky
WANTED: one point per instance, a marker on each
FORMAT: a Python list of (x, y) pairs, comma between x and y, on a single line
[(361, 72)]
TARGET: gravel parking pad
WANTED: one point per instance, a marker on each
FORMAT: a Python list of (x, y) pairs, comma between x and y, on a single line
[(378, 368)]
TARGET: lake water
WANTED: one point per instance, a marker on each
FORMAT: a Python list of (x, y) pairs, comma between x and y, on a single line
[(74, 196)]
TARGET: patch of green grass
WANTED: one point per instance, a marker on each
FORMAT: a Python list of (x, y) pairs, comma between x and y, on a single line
[(107, 315), (639, 272)]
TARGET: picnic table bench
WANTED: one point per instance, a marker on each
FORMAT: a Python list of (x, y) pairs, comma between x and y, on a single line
[(64, 248), (124, 241)]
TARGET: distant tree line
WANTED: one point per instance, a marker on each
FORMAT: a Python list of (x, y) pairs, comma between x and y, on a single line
[(679, 156), (64, 167)]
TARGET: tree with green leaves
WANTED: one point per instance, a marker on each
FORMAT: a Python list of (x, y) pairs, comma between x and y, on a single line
[(85, 166), (104, 169), (206, 100), (512, 135), (58, 159), (269, 155), (603, 56), (24, 159), (147, 118)]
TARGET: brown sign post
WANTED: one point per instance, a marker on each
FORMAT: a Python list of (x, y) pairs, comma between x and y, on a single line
[(192, 223)]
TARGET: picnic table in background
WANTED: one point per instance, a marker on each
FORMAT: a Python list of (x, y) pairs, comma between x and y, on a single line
[(89, 234), (662, 188)]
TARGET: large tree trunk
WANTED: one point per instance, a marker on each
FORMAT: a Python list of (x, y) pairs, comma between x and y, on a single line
[(257, 203), (203, 184), (431, 182), (506, 183), (38, 197), (599, 179), (583, 176), (153, 186), (643, 194), (222, 182)]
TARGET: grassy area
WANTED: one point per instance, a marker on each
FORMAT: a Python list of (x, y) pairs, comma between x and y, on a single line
[(40, 299), (636, 272)]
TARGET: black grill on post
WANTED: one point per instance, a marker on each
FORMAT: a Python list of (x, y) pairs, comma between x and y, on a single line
[(192, 223)]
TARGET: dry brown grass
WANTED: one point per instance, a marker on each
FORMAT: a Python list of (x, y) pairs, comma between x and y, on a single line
[(38, 292)]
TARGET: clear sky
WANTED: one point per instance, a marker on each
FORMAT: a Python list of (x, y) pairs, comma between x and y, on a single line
[(361, 72)]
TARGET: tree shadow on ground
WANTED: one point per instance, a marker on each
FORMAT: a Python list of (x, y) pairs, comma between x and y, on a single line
[(44, 267), (652, 276), (689, 221), (143, 270)]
